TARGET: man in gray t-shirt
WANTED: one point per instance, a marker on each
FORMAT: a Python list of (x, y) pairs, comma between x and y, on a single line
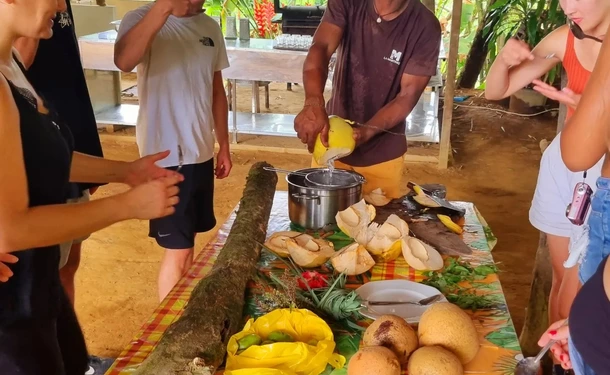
[(387, 50), (180, 54)]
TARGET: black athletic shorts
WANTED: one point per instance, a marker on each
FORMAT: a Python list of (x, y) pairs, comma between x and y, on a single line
[(195, 211), (44, 346)]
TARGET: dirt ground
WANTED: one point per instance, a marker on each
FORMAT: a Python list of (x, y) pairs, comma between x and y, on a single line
[(496, 158)]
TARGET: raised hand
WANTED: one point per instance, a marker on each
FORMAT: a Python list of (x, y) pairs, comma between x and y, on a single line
[(153, 199), (311, 121), (145, 169), (564, 96), (515, 52), (560, 332)]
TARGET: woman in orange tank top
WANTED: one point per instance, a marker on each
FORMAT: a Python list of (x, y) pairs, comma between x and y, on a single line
[(516, 67)]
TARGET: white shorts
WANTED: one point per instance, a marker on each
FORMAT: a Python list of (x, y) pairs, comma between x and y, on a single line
[(554, 192), (64, 248)]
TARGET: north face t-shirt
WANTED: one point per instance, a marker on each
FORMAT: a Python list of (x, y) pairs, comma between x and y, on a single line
[(57, 75), (371, 59), (175, 86)]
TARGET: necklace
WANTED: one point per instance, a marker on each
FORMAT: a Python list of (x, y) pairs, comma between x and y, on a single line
[(380, 16)]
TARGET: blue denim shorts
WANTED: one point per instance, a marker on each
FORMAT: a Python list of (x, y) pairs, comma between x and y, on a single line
[(599, 231), (578, 365)]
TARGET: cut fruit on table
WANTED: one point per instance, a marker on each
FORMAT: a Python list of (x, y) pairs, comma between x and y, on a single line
[(355, 219), (277, 242), (421, 256), (385, 244), (352, 260), (377, 198), (309, 252)]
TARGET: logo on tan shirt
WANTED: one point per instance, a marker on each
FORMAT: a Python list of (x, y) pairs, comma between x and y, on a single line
[(394, 57)]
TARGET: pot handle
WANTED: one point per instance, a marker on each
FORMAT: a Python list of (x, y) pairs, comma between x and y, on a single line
[(305, 196)]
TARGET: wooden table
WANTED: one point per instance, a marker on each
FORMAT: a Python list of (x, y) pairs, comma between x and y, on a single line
[(253, 60), (500, 350)]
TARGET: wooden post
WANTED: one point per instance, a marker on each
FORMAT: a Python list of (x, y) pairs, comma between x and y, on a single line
[(454, 44), (537, 311)]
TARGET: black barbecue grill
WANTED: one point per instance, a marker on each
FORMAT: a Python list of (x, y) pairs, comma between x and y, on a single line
[(298, 20)]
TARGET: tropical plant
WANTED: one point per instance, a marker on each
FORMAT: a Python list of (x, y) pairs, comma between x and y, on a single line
[(528, 20)]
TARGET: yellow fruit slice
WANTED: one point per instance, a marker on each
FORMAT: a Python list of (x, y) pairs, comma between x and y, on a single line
[(341, 141), (450, 224)]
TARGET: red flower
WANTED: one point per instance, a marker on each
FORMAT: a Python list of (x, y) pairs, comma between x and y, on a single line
[(314, 280)]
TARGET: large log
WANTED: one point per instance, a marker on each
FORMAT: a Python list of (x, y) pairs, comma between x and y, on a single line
[(214, 312), (537, 313)]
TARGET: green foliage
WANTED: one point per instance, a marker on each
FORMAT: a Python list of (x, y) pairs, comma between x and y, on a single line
[(528, 20)]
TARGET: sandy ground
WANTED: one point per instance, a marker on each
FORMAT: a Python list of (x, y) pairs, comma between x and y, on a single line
[(496, 160)]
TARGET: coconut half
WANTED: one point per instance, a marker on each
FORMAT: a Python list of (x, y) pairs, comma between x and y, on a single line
[(341, 141), (421, 256), (352, 260), (277, 241), (377, 198), (355, 218), (309, 253), (385, 245)]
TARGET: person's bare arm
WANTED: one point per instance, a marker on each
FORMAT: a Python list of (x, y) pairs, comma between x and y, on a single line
[(220, 111), (584, 137), (315, 68), (131, 47), (51, 224), (397, 110), (313, 119), (93, 169), (27, 48), (504, 80)]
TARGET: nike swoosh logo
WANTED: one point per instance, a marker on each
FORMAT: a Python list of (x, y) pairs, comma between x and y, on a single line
[(163, 235)]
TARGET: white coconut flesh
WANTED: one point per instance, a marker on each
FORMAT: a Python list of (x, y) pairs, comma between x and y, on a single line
[(277, 241), (355, 218), (312, 253), (352, 260), (387, 234), (421, 256), (377, 198), (334, 153)]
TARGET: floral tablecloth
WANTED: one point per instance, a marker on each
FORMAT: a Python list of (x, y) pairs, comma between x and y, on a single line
[(500, 349)]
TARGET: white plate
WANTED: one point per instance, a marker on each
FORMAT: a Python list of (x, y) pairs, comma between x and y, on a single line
[(396, 291)]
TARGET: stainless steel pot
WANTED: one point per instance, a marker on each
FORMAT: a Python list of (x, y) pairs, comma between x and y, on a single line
[(315, 207)]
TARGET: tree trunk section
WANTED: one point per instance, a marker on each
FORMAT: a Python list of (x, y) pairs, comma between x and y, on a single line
[(537, 312), (477, 54), (198, 340)]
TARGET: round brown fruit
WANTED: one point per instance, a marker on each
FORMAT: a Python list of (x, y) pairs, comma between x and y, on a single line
[(445, 324), (394, 333), (434, 360), (374, 360)]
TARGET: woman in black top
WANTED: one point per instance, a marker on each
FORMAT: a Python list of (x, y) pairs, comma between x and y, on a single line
[(588, 330), (39, 333)]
